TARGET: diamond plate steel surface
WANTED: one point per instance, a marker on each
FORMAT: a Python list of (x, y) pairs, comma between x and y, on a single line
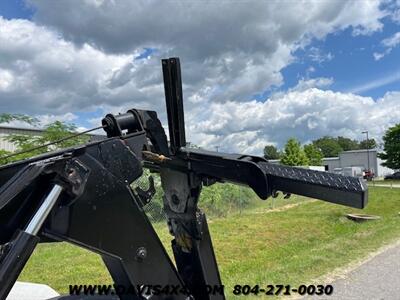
[(330, 180)]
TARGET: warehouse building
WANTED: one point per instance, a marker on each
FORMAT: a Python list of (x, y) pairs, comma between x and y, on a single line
[(355, 159), (363, 158), (8, 146)]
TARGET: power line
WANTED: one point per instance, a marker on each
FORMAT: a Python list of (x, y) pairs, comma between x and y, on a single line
[(51, 143)]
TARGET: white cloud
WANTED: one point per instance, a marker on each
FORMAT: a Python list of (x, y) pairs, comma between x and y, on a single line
[(80, 56), (389, 43), (380, 55), (376, 83), (217, 26), (396, 16), (305, 114), (6, 79), (317, 55), (43, 121), (47, 119), (319, 82), (42, 73), (229, 50), (394, 8), (84, 58), (392, 41)]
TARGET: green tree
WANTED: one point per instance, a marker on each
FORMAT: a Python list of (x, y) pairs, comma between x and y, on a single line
[(313, 154), (370, 144), (51, 132), (293, 154), (391, 148), (347, 144), (271, 152), (328, 145), (7, 118), (3, 153)]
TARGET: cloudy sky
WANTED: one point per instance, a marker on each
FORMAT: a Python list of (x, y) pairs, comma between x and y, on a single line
[(254, 72)]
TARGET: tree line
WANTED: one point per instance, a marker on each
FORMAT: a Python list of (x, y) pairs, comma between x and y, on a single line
[(218, 199), (294, 154), (51, 132)]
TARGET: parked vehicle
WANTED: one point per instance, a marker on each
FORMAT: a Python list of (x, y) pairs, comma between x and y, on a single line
[(395, 175), (353, 171), (368, 174), (350, 171), (338, 171)]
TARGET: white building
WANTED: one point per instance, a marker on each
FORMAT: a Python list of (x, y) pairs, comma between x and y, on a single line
[(5, 131), (357, 158), (353, 158)]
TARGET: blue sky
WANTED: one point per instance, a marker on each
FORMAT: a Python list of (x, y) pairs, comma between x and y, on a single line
[(15, 9), (352, 64), (296, 73), (346, 49), (336, 50)]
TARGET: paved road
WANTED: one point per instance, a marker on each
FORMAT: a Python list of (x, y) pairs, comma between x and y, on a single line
[(378, 278)]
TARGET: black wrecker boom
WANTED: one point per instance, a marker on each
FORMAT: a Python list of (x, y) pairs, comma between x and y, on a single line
[(83, 196)]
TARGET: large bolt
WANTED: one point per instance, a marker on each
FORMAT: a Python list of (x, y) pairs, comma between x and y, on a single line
[(141, 253)]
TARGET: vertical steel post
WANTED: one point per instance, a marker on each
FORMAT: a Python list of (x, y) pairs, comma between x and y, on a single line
[(174, 100)]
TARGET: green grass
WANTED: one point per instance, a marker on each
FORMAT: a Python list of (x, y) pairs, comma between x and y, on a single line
[(385, 182), (257, 206), (292, 246)]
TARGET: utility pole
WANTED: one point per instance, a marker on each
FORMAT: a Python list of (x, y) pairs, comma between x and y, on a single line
[(369, 170)]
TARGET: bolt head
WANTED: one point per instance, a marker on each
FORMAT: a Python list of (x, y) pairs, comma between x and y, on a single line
[(141, 253)]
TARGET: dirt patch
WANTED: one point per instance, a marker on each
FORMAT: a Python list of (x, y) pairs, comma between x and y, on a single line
[(283, 208)]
